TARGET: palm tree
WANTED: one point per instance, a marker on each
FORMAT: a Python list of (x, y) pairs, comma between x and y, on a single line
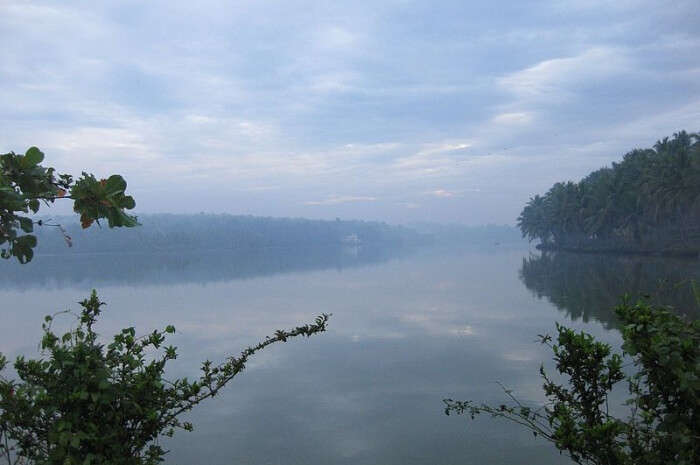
[(633, 203)]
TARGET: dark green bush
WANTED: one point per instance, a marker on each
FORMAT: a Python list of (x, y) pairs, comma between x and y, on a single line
[(663, 426), (86, 401)]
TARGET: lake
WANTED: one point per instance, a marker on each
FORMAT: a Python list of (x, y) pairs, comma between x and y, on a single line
[(409, 328)]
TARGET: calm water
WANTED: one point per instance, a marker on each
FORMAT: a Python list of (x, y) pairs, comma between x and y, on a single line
[(408, 329)]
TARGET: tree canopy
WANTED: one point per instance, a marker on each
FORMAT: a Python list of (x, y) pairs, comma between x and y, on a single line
[(25, 184), (650, 201)]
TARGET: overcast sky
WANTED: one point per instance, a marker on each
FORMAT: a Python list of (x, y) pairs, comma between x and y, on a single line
[(449, 111)]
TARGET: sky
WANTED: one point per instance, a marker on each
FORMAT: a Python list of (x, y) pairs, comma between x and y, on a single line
[(399, 111)]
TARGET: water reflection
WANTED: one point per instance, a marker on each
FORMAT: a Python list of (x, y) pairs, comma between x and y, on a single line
[(405, 333), (198, 266), (588, 286)]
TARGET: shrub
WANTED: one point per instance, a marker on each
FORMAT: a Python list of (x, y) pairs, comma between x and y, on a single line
[(86, 402), (663, 426)]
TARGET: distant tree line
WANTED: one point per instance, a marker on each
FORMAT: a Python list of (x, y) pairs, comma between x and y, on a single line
[(648, 202), (182, 233)]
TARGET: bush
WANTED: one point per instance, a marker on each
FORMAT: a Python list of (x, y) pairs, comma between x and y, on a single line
[(664, 422), (86, 402)]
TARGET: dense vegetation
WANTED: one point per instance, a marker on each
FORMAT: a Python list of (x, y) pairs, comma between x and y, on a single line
[(663, 426), (648, 202)]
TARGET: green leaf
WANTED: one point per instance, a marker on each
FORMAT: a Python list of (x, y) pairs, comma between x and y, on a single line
[(115, 185), (129, 221), (26, 224), (32, 157), (128, 203), (23, 248)]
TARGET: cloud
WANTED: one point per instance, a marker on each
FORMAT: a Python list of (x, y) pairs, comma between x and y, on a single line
[(338, 199), (444, 147), (431, 159), (466, 330), (392, 98), (437, 321), (556, 79), (442, 193), (515, 118), (598, 5), (335, 38)]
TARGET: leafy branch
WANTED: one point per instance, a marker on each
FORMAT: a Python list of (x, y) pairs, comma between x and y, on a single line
[(87, 402), (664, 423), (25, 184)]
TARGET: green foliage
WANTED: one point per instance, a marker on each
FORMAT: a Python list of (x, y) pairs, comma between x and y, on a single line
[(666, 387), (25, 184), (648, 202), (664, 422), (86, 402)]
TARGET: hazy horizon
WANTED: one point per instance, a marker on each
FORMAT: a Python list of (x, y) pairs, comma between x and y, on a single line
[(393, 111)]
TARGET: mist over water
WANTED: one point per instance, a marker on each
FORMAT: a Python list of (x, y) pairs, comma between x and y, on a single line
[(409, 328)]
